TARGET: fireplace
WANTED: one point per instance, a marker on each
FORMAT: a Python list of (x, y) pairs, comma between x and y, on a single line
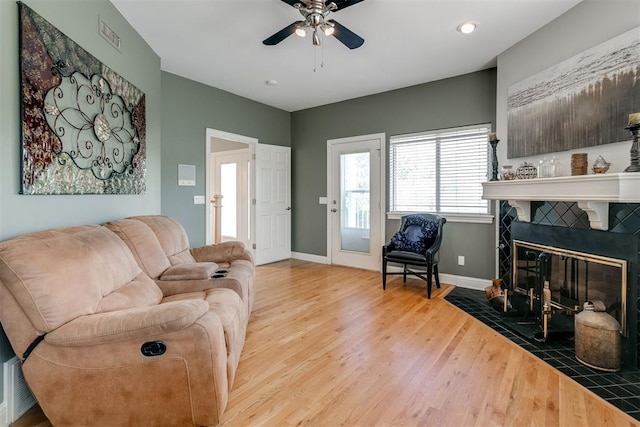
[(590, 216), (580, 264), (569, 279)]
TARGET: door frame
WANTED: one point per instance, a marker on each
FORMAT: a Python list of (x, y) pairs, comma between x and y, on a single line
[(383, 183), (252, 142)]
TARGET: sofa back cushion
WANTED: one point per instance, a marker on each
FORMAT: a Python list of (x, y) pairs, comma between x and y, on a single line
[(172, 237), (61, 274), (144, 245)]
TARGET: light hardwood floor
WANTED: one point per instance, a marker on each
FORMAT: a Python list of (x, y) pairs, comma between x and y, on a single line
[(326, 346)]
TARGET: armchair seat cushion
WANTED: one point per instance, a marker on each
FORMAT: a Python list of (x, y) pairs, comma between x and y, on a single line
[(407, 257)]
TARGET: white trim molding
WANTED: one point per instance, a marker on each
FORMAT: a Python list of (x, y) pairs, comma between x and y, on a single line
[(593, 193), (464, 281), (4, 415), (319, 259), (452, 279), (451, 217)]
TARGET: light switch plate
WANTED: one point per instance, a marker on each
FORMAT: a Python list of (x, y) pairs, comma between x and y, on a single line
[(198, 200), (322, 200)]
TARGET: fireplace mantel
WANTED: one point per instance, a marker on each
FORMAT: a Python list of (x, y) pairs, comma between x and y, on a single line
[(592, 193)]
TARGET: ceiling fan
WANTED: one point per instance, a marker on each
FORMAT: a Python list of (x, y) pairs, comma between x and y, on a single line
[(315, 14)]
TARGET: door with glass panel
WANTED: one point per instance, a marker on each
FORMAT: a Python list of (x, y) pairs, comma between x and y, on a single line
[(233, 183), (355, 201)]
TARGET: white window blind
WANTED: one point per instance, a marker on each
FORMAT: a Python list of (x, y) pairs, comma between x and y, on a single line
[(439, 171)]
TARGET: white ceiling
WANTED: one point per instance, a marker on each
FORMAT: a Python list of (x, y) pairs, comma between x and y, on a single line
[(407, 42)]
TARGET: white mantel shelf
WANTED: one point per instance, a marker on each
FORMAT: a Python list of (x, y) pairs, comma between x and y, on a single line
[(593, 193)]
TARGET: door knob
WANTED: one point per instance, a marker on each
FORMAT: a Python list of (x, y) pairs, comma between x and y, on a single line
[(288, 208), (334, 210)]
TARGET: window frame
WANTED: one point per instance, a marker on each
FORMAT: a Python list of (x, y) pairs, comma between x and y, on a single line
[(482, 218)]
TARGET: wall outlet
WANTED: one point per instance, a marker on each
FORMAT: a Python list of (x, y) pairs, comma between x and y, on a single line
[(460, 259), (198, 200)]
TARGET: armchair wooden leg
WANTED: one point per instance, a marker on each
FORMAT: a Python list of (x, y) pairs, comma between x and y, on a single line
[(384, 274), (429, 280), (435, 273), (404, 276)]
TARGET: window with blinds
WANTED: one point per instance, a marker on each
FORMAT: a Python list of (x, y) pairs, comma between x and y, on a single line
[(439, 171)]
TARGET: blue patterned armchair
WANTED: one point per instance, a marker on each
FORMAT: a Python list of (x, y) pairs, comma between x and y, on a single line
[(416, 244)]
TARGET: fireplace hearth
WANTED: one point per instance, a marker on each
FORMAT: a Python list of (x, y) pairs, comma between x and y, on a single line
[(622, 389)]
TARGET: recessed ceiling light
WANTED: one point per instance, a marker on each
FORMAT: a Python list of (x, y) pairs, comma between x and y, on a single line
[(467, 27), (271, 82)]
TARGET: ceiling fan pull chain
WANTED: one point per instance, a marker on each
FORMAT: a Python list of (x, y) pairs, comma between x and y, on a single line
[(315, 59)]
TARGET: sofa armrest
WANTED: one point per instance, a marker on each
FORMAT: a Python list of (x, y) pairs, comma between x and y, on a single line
[(222, 252), (191, 271), (134, 323)]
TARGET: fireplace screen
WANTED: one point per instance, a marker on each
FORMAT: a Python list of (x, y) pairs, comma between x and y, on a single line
[(574, 278)]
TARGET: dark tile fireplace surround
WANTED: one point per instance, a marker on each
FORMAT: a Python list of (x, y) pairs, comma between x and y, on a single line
[(564, 225)]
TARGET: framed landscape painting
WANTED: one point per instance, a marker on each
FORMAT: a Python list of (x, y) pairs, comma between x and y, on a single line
[(581, 102)]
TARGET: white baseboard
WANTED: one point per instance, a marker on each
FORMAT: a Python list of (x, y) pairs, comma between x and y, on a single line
[(464, 281), (452, 279), (310, 257), (4, 416)]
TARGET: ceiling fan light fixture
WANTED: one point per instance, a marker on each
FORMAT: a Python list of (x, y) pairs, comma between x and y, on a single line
[(467, 27), (301, 31), (328, 28), (316, 38)]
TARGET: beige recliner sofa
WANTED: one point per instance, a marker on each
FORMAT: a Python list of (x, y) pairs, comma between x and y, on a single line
[(102, 344), (161, 247)]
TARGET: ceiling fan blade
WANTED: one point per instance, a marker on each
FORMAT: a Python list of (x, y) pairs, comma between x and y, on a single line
[(281, 35), (346, 36), (342, 3)]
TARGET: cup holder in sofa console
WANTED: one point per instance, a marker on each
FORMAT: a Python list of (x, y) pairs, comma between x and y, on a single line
[(218, 275)]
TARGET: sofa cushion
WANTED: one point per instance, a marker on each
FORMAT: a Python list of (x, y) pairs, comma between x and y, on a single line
[(143, 244), (135, 323), (61, 274), (172, 237)]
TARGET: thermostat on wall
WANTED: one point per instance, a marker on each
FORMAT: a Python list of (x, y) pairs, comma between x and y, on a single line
[(187, 175)]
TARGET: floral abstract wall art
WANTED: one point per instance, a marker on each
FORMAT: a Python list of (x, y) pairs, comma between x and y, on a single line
[(83, 125)]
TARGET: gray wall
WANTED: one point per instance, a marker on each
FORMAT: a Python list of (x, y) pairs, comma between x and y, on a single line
[(457, 101), (587, 25), (188, 109), (136, 62)]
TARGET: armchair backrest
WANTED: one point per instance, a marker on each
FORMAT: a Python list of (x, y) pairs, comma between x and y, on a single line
[(424, 227)]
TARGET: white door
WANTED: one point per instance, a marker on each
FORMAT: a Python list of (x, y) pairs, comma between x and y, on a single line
[(273, 203), (232, 174), (355, 219)]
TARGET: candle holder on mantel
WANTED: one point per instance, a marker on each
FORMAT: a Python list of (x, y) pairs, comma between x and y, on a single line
[(634, 156), (494, 159)]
